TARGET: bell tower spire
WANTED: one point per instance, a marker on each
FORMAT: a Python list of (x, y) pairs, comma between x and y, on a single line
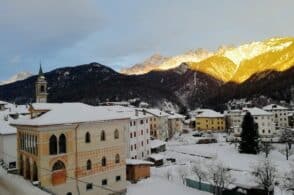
[(41, 87)]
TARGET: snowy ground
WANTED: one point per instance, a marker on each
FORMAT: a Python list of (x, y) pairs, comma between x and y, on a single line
[(167, 179), (186, 152), (16, 185)]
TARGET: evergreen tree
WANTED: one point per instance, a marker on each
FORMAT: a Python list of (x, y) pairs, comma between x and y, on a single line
[(249, 136)]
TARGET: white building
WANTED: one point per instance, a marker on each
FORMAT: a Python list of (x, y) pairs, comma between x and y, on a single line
[(175, 124), (280, 115), (8, 114), (263, 119), (138, 134)]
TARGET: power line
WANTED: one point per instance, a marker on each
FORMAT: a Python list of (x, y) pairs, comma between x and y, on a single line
[(73, 178)]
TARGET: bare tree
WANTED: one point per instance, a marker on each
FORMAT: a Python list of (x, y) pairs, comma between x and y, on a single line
[(265, 173), (183, 172), (266, 147), (287, 151), (288, 182), (220, 177), (287, 136), (199, 171)]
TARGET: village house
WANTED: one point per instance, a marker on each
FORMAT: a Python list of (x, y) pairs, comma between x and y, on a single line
[(9, 113), (263, 119), (280, 115), (73, 148), (175, 124), (158, 124), (210, 120)]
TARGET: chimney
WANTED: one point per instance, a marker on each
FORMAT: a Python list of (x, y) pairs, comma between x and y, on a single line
[(144, 111)]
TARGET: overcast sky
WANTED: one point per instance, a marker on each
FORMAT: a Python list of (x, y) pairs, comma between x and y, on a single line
[(119, 33)]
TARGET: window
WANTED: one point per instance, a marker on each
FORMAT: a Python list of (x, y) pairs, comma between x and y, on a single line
[(118, 178), (135, 146), (103, 162), (89, 165), (142, 122), (131, 124), (142, 154), (131, 135), (141, 132), (68, 193), (42, 89), (53, 145), (147, 141), (87, 137), (62, 144), (135, 134), (89, 186), (142, 144), (116, 134), (147, 131), (117, 159), (131, 147), (104, 182), (102, 136)]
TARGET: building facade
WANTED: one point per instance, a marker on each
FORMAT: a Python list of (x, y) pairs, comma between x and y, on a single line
[(280, 115), (210, 120), (78, 156), (263, 119), (158, 124)]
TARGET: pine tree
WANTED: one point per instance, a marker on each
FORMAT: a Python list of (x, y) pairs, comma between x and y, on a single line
[(249, 136)]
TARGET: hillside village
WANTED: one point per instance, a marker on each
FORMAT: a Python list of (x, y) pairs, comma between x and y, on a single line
[(117, 148)]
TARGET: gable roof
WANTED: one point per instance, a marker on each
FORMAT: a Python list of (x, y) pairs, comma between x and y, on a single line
[(274, 107)]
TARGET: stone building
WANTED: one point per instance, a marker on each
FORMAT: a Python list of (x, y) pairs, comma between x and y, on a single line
[(73, 148), (158, 124)]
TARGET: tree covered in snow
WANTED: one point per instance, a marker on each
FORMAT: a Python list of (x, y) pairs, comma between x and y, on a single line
[(220, 177), (199, 171), (183, 172), (249, 136), (288, 182), (265, 173), (287, 136), (287, 151)]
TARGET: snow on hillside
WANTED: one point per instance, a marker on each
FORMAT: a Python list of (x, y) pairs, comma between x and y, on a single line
[(18, 77)]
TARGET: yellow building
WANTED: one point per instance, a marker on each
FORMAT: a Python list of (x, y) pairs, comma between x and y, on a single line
[(210, 120), (73, 148)]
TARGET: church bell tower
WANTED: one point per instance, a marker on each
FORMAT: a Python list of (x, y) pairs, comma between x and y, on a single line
[(41, 87)]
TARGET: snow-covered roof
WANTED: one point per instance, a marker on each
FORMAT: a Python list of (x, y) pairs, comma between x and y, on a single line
[(210, 114), (157, 112), (138, 162), (5, 128), (3, 103), (67, 113), (274, 107), (256, 111), (156, 143), (156, 157), (176, 116), (20, 109), (133, 113)]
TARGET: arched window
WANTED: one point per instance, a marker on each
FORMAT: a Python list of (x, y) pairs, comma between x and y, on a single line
[(117, 158), (89, 165), (53, 145), (88, 137), (102, 136), (42, 89), (62, 144), (116, 134), (59, 165), (103, 162)]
